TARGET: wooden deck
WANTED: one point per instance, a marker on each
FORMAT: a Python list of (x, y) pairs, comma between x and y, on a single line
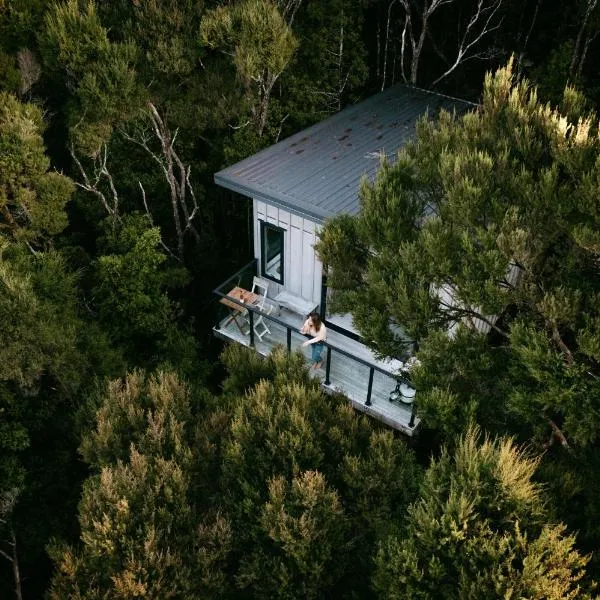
[(347, 376)]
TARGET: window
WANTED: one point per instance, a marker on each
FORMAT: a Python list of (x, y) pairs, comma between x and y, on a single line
[(271, 252)]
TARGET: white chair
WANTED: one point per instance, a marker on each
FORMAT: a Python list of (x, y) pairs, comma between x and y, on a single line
[(260, 286), (260, 326), (262, 301)]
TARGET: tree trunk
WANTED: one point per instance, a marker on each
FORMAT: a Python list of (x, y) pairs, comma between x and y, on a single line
[(387, 40), (13, 559), (591, 5), (414, 67), (15, 567)]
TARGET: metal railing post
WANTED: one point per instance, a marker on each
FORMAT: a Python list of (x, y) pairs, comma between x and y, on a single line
[(370, 388), (289, 339), (327, 366), (323, 306), (251, 315), (411, 423)]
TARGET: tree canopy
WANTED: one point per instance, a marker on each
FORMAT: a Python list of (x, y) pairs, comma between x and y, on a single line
[(480, 226), (478, 532), (230, 476)]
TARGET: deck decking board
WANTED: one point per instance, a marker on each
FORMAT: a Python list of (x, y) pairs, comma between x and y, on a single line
[(346, 375)]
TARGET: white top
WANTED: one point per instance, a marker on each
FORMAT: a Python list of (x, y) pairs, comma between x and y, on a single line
[(319, 336)]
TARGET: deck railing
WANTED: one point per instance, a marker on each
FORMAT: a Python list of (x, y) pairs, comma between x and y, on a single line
[(243, 278)]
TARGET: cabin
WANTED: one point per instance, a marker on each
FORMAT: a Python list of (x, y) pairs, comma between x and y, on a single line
[(294, 186)]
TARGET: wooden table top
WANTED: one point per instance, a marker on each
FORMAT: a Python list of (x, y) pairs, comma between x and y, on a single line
[(241, 295)]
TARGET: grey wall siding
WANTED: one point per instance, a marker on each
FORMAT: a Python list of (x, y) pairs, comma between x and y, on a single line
[(302, 268)]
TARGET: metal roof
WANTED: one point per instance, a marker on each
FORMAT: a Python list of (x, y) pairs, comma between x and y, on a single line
[(316, 172)]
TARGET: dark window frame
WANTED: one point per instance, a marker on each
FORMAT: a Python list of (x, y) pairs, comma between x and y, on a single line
[(263, 259)]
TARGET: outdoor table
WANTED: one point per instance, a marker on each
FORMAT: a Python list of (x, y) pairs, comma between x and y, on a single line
[(236, 310)]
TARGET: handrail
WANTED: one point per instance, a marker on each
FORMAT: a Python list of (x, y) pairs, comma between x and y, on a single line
[(218, 292)]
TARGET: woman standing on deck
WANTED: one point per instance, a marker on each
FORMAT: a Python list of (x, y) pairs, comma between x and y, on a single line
[(315, 327)]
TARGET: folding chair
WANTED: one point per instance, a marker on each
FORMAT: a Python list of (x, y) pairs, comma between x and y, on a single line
[(260, 286), (260, 326), (260, 305)]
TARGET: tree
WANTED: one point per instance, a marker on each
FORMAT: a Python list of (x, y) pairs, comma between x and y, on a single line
[(141, 534), (49, 355), (8, 500), (307, 527), (330, 66), (32, 198), (129, 286), (260, 44), (38, 308), (512, 231), (183, 199), (416, 27), (98, 75), (478, 531), (581, 47), (308, 486)]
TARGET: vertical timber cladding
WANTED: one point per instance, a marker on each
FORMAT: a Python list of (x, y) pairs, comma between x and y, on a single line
[(302, 269)]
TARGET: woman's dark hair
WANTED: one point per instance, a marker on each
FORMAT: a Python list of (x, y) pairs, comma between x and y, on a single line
[(315, 317)]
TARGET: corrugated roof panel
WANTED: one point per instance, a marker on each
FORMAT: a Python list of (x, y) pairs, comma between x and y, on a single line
[(316, 172)]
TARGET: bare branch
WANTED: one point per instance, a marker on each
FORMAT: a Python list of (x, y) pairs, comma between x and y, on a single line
[(177, 175), (151, 220), (533, 20), (460, 311), (557, 436), (5, 555), (92, 186), (479, 25), (289, 9), (240, 126), (557, 338), (280, 126)]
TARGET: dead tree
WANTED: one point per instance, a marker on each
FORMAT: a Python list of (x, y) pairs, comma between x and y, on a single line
[(288, 9), (579, 53), (332, 95), (96, 182), (482, 22), (184, 204), (416, 30), (93, 182), (29, 69)]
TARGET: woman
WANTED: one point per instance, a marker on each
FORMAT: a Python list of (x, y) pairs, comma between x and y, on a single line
[(315, 327)]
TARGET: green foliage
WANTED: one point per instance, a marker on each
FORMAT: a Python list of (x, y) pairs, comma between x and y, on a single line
[(98, 74), (32, 200), (459, 379), (140, 531), (306, 524), (260, 43), (39, 313), (19, 22), (514, 183), (255, 32), (10, 79), (309, 486), (485, 215), (38, 345), (478, 532), (130, 281)]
